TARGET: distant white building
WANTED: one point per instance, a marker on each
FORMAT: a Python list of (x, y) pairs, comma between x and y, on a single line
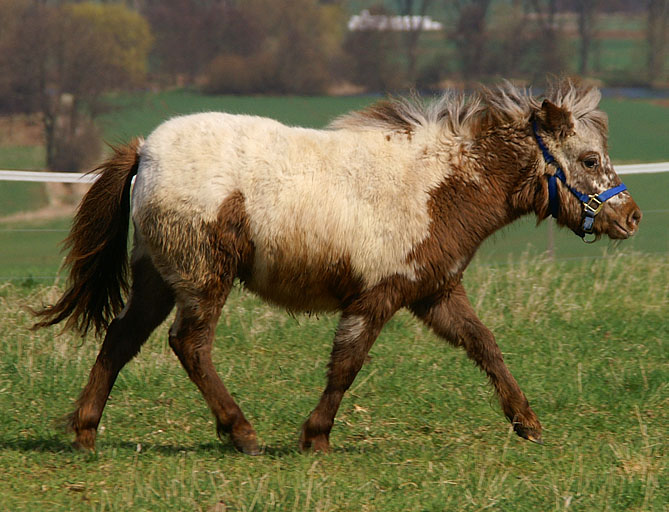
[(367, 21)]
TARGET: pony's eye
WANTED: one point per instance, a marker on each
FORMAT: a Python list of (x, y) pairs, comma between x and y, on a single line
[(591, 162)]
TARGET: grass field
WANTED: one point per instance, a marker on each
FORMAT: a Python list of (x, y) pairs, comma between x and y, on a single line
[(419, 430)]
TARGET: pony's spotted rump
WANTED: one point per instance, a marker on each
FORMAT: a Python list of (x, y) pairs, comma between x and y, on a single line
[(382, 210)]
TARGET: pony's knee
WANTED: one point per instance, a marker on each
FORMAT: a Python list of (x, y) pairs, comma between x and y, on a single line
[(189, 338), (175, 339)]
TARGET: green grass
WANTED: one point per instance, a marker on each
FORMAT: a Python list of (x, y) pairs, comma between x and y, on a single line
[(31, 250), (16, 196), (637, 130), (19, 196), (419, 430), (140, 114), (653, 237), (22, 157)]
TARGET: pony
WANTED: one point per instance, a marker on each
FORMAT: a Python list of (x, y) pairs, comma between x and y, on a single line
[(381, 210)]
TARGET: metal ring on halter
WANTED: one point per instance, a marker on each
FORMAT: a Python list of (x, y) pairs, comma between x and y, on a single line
[(591, 241)]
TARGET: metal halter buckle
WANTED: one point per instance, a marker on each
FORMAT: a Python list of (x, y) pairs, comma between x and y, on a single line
[(597, 204)]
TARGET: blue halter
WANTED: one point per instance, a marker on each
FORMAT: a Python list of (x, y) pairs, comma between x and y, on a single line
[(592, 204)]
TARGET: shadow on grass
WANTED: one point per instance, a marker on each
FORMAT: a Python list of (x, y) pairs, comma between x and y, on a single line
[(59, 445), (53, 445), (56, 445)]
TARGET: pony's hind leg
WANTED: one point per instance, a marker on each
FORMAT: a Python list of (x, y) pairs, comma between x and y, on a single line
[(149, 303), (191, 338), (358, 328), (452, 317)]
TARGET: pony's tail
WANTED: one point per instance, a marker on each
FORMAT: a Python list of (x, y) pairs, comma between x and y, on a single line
[(98, 252)]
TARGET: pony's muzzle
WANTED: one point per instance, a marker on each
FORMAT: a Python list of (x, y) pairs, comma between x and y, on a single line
[(629, 223), (626, 223)]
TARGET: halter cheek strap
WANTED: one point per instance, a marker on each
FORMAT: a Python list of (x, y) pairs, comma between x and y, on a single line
[(592, 204)]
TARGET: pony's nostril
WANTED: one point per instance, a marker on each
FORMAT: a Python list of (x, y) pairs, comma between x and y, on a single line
[(634, 217)]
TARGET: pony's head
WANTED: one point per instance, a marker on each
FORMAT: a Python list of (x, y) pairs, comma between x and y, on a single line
[(585, 193)]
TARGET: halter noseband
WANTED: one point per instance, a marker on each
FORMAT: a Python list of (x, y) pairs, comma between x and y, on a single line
[(592, 204)]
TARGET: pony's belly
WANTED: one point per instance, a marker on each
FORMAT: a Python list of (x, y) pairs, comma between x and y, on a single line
[(296, 296), (300, 284)]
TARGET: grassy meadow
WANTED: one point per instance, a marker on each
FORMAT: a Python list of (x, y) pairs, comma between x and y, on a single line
[(586, 336), (419, 430)]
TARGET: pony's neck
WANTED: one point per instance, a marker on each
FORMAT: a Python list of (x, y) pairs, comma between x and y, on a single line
[(507, 159), (504, 161), (492, 182)]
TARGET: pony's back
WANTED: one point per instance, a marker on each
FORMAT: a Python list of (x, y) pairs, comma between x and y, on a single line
[(313, 198)]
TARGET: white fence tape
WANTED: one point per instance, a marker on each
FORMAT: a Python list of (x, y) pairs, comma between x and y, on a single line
[(77, 177), (43, 177), (642, 168)]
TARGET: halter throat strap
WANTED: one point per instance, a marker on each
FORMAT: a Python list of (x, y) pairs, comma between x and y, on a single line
[(592, 204)]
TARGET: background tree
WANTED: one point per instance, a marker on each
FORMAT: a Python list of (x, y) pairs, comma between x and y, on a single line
[(307, 35), (411, 36), (470, 36), (190, 33), (548, 38), (372, 56), (656, 35), (22, 38), (299, 43), (508, 29), (587, 13), (59, 60)]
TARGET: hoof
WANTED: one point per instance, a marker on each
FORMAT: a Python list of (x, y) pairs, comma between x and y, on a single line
[(537, 440), (530, 433), (80, 447), (317, 443), (247, 446), (85, 440), (243, 438)]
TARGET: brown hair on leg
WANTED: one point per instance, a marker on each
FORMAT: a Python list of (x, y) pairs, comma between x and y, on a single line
[(225, 248), (451, 317), (191, 338), (358, 328), (149, 303)]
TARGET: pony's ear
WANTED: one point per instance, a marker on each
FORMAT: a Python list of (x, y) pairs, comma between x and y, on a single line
[(555, 120)]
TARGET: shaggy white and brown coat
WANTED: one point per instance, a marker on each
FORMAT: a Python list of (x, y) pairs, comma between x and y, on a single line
[(382, 210)]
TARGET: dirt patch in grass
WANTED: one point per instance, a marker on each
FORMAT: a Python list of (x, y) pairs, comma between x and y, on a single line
[(21, 130), (63, 200), (47, 213), (662, 102)]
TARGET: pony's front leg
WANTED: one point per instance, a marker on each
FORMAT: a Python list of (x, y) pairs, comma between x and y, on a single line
[(451, 317), (358, 329)]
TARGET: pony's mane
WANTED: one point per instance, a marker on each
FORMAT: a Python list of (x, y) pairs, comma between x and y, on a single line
[(468, 115)]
